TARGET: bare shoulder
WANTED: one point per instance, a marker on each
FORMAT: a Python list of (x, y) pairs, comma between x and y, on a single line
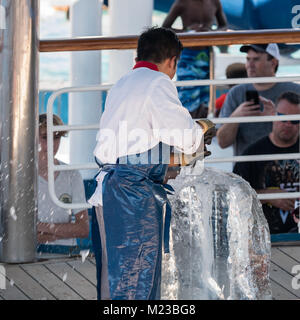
[(217, 3)]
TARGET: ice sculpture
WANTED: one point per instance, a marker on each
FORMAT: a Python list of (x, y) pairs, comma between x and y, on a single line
[(219, 241)]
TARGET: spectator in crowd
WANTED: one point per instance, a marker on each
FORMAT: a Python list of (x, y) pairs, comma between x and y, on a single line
[(58, 226), (234, 70), (276, 176), (262, 61), (196, 16)]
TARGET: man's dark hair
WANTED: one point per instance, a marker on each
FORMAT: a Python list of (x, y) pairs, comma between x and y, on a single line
[(291, 97), (158, 44)]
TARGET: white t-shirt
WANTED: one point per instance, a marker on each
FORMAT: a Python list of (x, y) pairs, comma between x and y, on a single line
[(142, 109), (69, 188)]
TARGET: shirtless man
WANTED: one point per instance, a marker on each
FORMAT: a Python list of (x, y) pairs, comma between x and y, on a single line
[(196, 16)]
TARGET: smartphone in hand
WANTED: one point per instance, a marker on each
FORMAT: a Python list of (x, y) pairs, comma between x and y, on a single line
[(252, 96)]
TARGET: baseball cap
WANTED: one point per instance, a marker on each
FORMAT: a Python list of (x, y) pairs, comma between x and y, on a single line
[(270, 48)]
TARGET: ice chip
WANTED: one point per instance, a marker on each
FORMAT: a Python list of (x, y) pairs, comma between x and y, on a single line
[(64, 278), (84, 254), (12, 212)]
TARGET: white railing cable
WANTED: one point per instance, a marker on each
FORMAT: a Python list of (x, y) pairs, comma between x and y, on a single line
[(50, 129)]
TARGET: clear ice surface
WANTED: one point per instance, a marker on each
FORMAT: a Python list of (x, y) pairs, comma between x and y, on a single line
[(219, 239)]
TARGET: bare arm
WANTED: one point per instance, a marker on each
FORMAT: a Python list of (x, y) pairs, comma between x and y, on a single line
[(175, 12), (221, 18), (55, 231), (284, 204), (228, 131), (226, 134)]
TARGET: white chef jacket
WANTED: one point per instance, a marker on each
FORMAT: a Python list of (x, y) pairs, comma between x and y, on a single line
[(143, 109)]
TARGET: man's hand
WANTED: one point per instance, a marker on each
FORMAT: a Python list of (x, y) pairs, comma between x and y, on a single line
[(284, 204), (269, 107), (247, 109)]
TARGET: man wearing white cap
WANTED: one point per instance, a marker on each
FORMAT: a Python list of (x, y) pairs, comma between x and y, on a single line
[(262, 61)]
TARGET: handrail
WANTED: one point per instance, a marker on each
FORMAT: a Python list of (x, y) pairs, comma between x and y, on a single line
[(51, 129), (188, 40)]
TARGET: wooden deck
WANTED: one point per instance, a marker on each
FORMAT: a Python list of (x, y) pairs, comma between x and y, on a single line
[(68, 278)]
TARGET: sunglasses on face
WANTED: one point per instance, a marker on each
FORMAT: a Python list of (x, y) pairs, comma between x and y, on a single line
[(291, 121)]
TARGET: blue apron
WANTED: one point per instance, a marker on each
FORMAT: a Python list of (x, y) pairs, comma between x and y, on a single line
[(133, 202)]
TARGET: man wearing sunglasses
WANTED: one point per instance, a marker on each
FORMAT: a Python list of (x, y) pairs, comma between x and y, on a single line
[(276, 175)]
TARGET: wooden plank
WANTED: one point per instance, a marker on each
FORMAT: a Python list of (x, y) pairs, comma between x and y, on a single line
[(283, 260), (73, 279), (92, 260), (194, 39), (293, 252), (53, 284), (283, 278), (12, 292), (27, 284), (280, 293), (86, 269)]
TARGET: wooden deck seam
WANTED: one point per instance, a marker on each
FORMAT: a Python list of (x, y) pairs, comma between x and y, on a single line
[(90, 259), (17, 287), (64, 282), (286, 289), (82, 275), (277, 265), (298, 261), (38, 282)]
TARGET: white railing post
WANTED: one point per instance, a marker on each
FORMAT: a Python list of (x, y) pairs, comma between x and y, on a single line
[(127, 17), (86, 18)]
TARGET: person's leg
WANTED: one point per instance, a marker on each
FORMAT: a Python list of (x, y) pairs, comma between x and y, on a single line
[(105, 292), (194, 65)]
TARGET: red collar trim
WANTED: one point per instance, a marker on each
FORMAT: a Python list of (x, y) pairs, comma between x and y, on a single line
[(146, 64)]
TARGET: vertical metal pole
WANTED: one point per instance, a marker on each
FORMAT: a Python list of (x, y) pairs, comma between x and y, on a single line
[(212, 89), (19, 119)]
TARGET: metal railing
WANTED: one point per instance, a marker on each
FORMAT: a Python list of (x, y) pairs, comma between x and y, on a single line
[(188, 40), (51, 129)]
